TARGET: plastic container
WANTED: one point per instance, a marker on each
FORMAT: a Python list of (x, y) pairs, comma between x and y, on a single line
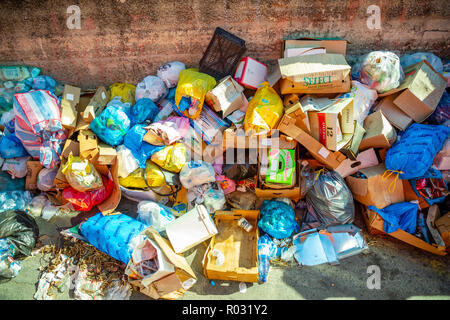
[(222, 54)]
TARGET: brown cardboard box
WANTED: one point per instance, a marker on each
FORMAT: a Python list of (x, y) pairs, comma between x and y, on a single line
[(375, 191), (70, 146), (106, 154), (290, 100), (333, 126), (338, 46), (351, 148), (96, 104), (227, 96), (33, 168), (172, 286), (69, 102), (60, 181), (442, 159), (375, 225), (331, 159), (443, 225), (239, 247), (88, 144), (319, 73), (420, 92), (395, 115), (108, 206), (301, 118), (379, 132)]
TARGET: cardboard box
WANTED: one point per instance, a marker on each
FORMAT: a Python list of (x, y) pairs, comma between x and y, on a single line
[(106, 154), (60, 181), (69, 102), (319, 73), (33, 169), (190, 229), (88, 144), (375, 225), (330, 159), (173, 285), (250, 73), (337, 45), (351, 148), (333, 126), (109, 206), (290, 100), (294, 52), (434, 214), (379, 132), (237, 139), (226, 97), (395, 115), (301, 116), (420, 92), (375, 190), (278, 166), (70, 146), (239, 247), (365, 159), (96, 105), (443, 225), (442, 159)]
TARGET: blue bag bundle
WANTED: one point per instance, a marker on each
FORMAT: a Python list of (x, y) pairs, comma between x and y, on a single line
[(42, 83), (140, 149), (111, 126), (11, 147), (413, 154), (277, 219), (401, 215), (409, 59), (144, 109), (432, 173), (112, 234)]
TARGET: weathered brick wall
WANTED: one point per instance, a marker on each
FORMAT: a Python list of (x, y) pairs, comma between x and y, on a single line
[(125, 40)]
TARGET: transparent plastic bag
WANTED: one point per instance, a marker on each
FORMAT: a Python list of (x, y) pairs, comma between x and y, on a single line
[(409, 59), (172, 158), (170, 72), (111, 126), (45, 179), (16, 167), (331, 199), (191, 91), (264, 110), (151, 87), (37, 205), (125, 91), (126, 161), (195, 173), (381, 70), (154, 214), (81, 174), (8, 119)]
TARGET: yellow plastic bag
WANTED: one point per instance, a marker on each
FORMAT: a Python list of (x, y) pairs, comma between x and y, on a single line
[(81, 174), (195, 85), (151, 176), (263, 111), (172, 158), (125, 91)]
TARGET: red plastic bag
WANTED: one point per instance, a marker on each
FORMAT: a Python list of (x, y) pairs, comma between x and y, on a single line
[(85, 201)]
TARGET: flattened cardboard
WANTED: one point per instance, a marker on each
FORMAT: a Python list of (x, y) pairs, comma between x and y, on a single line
[(33, 168), (330, 159), (379, 132), (60, 181), (69, 102), (227, 96), (96, 104), (351, 148), (375, 224), (395, 115), (319, 73), (420, 92), (375, 191), (239, 247)]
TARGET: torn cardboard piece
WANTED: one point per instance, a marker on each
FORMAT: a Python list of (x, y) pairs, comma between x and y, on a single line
[(96, 105), (365, 159), (88, 144), (394, 114), (226, 97), (106, 154), (379, 132), (69, 102)]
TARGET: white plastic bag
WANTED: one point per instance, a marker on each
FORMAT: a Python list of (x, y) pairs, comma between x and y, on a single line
[(170, 72), (16, 167), (36, 206), (45, 179), (154, 214), (363, 99), (195, 173), (151, 87), (127, 162)]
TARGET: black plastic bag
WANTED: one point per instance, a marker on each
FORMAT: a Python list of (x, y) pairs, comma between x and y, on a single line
[(20, 229)]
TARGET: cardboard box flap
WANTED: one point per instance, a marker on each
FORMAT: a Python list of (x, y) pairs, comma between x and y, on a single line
[(108, 206), (71, 94), (176, 259), (237, 214), (294, 68), (332, 45)]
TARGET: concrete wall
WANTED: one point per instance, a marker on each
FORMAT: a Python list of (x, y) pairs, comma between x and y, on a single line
[(125, 40)]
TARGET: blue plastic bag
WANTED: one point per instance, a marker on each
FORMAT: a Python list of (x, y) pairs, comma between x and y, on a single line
[(11, 147), (14, 200), (401, 215), (409, 59), (140, 149), (42, 83), (413, 153), (111, 126), (266, 251), (277, 219), (432, 173), (144, 109), (112, 234)]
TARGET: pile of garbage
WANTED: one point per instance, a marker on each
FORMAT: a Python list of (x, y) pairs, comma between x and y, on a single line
[(263, 165)]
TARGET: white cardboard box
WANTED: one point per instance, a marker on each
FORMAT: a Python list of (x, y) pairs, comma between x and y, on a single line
[(250, 73)]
